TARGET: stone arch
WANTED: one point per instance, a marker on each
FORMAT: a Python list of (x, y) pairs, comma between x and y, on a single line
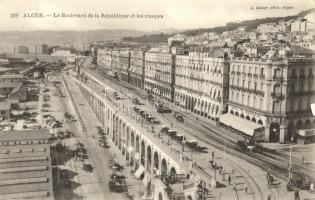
[(274, 132), (160, 196), (291, 131), (149, 157), (308, 124), (142, 153), (132, 139), (254, 119), (173, 171), (189, 197), (242, 115), (260, 122), (232, 112), (236, 113), (247, 117), (128, 136), (164, 167), (137, 144), (299, 124), (156, 160)]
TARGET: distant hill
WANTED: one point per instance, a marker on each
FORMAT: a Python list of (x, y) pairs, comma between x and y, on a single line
[(60, 37), (249, 24)]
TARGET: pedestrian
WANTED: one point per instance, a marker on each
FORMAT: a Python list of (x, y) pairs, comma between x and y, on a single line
[(303, 160), (269, 197), (297, 195), (229, 179), (246, 190), (312, 186), (234, 186), (212, 154)]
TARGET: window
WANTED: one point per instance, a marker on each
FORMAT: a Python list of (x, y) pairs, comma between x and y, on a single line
[(261, 71), (292, 88), (301, 87)]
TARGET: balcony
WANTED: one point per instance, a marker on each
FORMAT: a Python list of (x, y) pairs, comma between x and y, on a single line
[(249, 74), (255, 75), (277, 78), (261, 76), (277, 95), (293, 76), (244, 74), (238, 73), (232, 72)]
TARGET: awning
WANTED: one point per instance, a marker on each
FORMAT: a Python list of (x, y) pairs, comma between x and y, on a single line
[(139, 171), (240, 124), (192, 141)]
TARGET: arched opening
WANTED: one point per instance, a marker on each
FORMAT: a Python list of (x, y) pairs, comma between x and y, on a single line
[(299, 125), (232, 112), (128, 137), (156, 160), (242, 115), (132, 139), (254, 119), (164, 167), (160, 196), (142, 152), (173, 171), (308, 124), (247, 117), (291, 131), (260, 122), (274, 132), (236, 114), (189, 197), (149, 158), (137, 144)]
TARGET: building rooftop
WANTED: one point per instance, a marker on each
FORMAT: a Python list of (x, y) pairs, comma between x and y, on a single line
[(42, 134), (25, 168), (10, 85), (11, 76)]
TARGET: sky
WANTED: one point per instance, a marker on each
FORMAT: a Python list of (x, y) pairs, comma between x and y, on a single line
[(177, 14)]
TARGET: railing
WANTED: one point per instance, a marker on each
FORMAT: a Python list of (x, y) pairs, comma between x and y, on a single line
[(277, 78), (255, 75), (249, 74), (262, 76), (277, 95)]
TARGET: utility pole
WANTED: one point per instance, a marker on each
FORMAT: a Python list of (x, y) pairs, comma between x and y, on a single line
[(290, 164)]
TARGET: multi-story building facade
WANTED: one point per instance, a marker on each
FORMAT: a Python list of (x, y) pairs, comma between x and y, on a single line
[(201, 83), (124, 65), (137, 68), (21, 50), (104, 59), (159, 74), (274, 94)]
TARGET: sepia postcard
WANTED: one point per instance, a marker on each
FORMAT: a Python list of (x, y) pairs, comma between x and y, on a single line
[(157, 100)]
